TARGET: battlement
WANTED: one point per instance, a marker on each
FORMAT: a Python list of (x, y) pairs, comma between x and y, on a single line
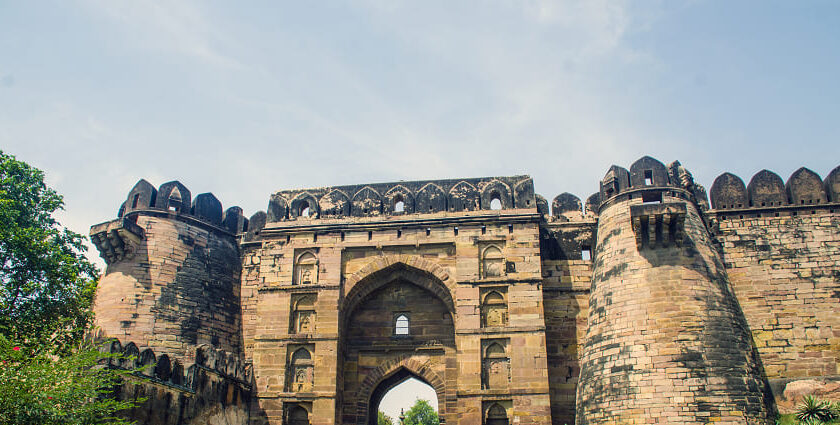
[(217, 386), (174, 199), (413, 197), (166, 369), (766, 192), (649, 179)]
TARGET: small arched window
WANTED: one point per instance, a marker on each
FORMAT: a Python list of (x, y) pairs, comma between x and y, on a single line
[(175, 200), (496, 201), (399, 204), (401, 325)]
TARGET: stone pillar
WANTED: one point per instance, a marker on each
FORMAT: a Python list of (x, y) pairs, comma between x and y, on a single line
[(666, 340)]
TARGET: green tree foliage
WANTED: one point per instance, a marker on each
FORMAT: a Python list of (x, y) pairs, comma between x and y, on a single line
[(46, 283), (48, 390), (48, 373), (383, 419), (422, 413)]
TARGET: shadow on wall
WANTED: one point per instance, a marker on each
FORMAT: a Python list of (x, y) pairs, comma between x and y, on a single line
[(725, 338)]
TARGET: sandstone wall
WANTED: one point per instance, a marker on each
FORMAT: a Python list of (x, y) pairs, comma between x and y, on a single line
[(179, 289), (360, 253), (666, 341), (786, 274), (566, 297), (215, 390)]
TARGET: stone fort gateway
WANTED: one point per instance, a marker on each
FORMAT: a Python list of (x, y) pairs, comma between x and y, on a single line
[(649, 302)]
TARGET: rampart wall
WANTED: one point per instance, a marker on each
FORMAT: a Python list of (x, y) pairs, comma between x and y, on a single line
[(781, 247), (182, 274)]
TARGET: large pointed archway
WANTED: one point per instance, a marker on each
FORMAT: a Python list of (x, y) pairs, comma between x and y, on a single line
[(396, 322)]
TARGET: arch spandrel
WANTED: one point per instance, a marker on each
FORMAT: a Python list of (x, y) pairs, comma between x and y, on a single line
[(386, 269)]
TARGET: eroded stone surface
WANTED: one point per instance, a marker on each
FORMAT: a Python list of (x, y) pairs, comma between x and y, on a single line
[(308, 313)]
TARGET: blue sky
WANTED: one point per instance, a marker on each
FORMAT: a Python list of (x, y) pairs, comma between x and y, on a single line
[(243, 99)]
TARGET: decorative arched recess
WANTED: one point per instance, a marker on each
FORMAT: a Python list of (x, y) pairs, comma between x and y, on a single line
[(430, 198), (396, 194), (523, 194), (415, 367), (335, 204), (464, 197), (386, 269), (367, 202)]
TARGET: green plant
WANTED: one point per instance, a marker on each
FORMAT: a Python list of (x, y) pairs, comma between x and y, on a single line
[(73, 389), (422, 413), (815, 411), (383, 419)]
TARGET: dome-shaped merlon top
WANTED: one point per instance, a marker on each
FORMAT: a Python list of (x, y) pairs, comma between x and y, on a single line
[(728, 191), (234, 220), (593, 202), (207, 208), (832, 185), (278, 209), (142, 196), (805, 187), (767, 190), (565, 202), (614, 182), (256, 222), (163, 368), (174, 196), (542, 205), (647, 171)]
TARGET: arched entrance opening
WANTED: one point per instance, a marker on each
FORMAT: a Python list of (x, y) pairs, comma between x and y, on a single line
[(400, 390), (398, 323)]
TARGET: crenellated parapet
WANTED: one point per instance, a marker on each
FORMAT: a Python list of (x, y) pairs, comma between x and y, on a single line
[(174, 199), (649, 179), (767, 193), (404, 198), (217, 386), (167, 369), (173, 272)]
